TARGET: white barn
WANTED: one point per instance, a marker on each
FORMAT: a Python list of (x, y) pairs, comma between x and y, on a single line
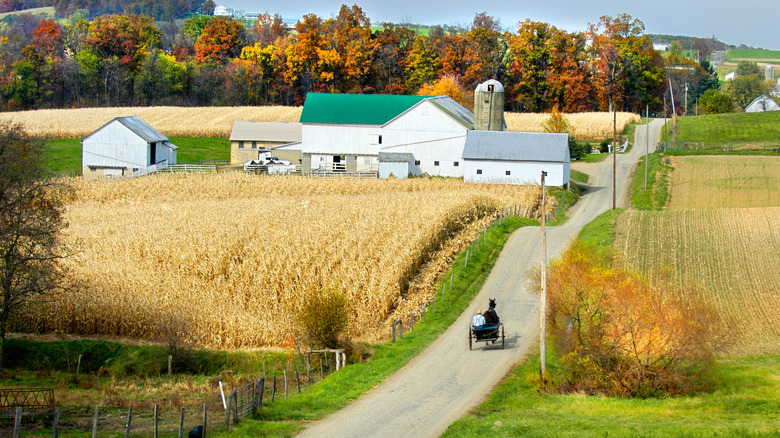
[(516, 157), (125, 146), (761, 104), (346, 132)]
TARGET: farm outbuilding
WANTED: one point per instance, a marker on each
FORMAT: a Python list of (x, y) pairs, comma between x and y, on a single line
[(516, 157), (249, 138), (125, 146), (346, 132), (762, 103), (396, 164)]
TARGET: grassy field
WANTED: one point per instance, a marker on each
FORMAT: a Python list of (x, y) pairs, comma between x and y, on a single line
[(736, 55), (739, 129), (725, 181), (657, 194), (246, 242), (64, 155), (744, 405)]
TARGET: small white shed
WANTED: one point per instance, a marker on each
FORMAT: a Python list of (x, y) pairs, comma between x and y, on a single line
[(125, 146), (502, 157), (396, 164)]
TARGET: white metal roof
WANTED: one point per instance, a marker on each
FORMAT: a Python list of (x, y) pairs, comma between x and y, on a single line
[(516, 146), (286, 132), (141, 128), (484, 87)]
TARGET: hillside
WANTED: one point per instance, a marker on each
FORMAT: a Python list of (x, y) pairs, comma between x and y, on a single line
[(159, 10)]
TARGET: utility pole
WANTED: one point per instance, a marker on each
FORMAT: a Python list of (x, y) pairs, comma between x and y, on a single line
[(614, 152), (686, 98), (543, 305), (647, 140)]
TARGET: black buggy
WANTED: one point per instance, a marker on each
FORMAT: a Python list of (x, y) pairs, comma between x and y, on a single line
[(491, 331)]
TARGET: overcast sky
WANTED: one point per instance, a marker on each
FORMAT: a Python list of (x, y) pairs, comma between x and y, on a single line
[(751, 22)]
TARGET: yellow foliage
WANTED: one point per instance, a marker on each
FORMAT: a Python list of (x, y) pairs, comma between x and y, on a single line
[(448, 85)]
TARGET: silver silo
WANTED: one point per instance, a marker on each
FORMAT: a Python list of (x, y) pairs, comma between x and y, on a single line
[(489, 106)]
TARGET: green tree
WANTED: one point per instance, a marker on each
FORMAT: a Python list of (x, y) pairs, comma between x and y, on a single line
[(31, 211), (422, 64), (675, 49), (715, 102), (743, 89), (747, 68)]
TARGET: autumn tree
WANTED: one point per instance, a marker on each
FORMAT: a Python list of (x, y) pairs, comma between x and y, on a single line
[(616, 335), (531, 59), (219, 41), (303, 55), (393, 44), (557, 123), (31, 217), (422, 64), (449, 85), (268, 29), (487, 48), (351, 49)]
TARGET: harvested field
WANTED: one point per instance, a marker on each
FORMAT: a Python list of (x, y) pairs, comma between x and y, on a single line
[(732, 253), (725, 181), (225, 257), (586, 126), (218, 121)]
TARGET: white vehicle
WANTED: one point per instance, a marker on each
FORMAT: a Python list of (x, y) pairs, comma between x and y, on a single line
[(272, 165)]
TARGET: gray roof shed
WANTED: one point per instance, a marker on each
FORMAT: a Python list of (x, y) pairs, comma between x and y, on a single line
[(137, 126), (516, 146)]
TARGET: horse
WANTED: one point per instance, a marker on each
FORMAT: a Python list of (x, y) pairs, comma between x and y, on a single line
[(491, 317)]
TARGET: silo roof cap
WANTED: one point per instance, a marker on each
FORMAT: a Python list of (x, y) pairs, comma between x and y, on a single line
[(483, 87)]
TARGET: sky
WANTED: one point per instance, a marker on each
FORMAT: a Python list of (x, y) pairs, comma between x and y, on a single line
[(750, 22)]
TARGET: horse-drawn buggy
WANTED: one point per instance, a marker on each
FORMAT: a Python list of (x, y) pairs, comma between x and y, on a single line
[(487, 328)]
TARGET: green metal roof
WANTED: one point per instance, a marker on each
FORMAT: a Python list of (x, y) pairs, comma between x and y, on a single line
[(355, 109)]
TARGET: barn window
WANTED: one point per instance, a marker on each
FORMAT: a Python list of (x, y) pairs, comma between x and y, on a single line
[(254, 145), (416, 162), (435, 163), (380, 140), (479, 171), (241, 145), (456, 164), (508, 173)]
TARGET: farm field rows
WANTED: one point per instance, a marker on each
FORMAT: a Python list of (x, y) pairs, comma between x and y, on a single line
[(218, 121), (225, 258), (724, 181)]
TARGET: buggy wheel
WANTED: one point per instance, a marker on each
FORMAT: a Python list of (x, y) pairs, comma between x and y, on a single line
[(503, 342), (470, 336)]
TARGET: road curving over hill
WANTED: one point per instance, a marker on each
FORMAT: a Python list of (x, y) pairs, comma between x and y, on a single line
[(446, 380)]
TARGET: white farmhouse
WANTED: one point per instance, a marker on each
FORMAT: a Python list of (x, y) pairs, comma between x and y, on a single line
[(125, 146), (502, 157), (346, 132)]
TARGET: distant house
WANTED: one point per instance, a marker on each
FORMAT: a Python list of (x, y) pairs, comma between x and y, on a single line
[(249, 138), (125, 146), (661, 47), (516, 157), (346, 132), (730, 76), (762, 103), (223, 11)]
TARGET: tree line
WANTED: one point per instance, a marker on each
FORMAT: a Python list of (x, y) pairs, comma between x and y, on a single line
[(129, 59)]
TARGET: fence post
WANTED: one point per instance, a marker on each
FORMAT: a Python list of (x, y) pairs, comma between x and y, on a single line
[(205, 418), (17, 421), (443, 288), (273, 391), (298, 381), (56, 422), (129, 421), (401, 328), (392, 326), (181, 424), (259, 392), (94, 422), (156, 412), (170, 364), (78, 366), (466, 261), (434, 304), (285, 383), (425, 311)]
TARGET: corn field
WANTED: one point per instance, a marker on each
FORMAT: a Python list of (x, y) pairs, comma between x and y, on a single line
[(725, 181), (585, 126), (218, 121), (226, 257), (733, 253)]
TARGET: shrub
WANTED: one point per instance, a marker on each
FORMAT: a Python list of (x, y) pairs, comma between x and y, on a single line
[(618, 336), (577, 150), (715, 102), (604, 146), (324, 316)]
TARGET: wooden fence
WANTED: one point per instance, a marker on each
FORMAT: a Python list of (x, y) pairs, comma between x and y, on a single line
[(188, 168)]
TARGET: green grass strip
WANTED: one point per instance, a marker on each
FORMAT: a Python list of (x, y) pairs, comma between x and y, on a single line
[(656, 195)]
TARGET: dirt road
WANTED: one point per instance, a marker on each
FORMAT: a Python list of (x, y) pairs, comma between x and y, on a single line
[(441, 384)]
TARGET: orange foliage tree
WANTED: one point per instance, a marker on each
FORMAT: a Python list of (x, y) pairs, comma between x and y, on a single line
[(618, 336), (219, 41), (448, 85)]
